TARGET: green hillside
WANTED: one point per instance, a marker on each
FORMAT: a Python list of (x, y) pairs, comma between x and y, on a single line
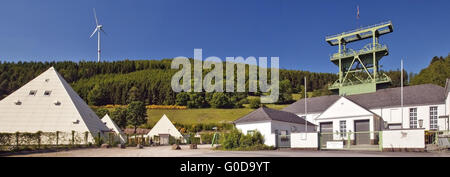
[(436, 73)]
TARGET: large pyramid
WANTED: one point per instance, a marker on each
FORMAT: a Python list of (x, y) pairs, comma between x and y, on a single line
[(48, 104)]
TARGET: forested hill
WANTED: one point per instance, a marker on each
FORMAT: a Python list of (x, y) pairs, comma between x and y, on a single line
[(120, 82), (436, 73), (150, 77)]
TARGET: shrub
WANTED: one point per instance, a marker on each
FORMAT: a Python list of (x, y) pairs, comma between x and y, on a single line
[(255, 103), (236, 140), (172, 140), (207, 137), (231, 140), (182, 99), (194, 140), (221, 100)]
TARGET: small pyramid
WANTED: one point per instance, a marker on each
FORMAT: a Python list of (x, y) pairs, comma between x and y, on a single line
[(114, 128), (48, 104), (164, 126)]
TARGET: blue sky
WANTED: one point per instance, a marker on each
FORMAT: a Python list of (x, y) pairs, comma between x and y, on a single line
[(48, 30)]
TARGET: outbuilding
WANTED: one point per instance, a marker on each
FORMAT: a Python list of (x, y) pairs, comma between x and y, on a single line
[(275, 125), (164, 129)]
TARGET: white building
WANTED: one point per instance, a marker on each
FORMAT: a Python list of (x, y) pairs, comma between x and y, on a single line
[(114, 128), (163, 128), (273, 125), (444, 119), (48, 104), (424, 106)]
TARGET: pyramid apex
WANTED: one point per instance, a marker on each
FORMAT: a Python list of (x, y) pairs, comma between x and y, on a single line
[(106, 115)]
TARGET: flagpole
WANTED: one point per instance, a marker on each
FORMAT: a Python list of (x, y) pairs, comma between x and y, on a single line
[(357, 17), (306, 110), (401, 87)]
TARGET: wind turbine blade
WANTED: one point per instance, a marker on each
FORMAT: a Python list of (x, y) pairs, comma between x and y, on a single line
[(93, 32), (103, 31), (95, 16)]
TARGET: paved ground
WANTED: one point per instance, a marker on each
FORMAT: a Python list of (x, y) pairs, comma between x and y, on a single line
[(205, 151)]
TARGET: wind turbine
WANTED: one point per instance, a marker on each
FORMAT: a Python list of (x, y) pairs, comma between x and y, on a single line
[(98, 29)]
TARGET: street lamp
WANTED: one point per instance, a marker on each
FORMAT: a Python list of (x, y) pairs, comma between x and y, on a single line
[(421, 123)]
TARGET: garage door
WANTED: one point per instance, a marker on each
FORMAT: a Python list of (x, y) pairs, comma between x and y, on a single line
[(361, 127), (326, 127), (326, 133)]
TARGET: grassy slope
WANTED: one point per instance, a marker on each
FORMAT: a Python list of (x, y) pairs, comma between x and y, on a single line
[(206, 115)]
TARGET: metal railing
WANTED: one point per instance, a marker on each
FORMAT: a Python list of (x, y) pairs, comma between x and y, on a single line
[(369, 140), (367, 49), (358, 29), (440, 138), (283, 141), (51, 140)]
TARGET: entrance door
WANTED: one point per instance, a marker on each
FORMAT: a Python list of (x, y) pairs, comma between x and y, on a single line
[(164, 139), (326, 133), (362, 129)]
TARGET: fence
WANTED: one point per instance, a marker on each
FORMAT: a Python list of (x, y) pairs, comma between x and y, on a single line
[(283, 141), (440, 138), (370, 140), (45, 140)]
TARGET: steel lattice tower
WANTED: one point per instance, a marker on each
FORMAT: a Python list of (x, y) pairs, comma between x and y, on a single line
[(359, 69)]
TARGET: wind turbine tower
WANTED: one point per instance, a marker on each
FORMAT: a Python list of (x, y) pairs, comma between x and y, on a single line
[(98, 29)]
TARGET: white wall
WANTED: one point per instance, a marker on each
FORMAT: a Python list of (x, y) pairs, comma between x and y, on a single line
[(423, 112), (447, 104), (268, 129), (263, 127), (304, 140), (411, 138)]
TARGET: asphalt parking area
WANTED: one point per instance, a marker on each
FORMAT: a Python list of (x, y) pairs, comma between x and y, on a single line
[(206, 151)]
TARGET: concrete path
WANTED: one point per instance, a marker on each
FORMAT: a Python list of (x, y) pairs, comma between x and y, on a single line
[(206, 151)]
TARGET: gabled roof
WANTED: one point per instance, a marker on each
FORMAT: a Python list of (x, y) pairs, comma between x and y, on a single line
[(54, 106), (164, 126), (344, 107), (389, 97), (267, 114), (412, 95), (315, 104)]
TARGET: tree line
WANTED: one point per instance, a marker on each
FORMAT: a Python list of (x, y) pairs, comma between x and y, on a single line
[(436, 73), (148, 81), (121, 82)]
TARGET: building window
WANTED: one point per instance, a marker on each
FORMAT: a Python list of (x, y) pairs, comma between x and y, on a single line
[(250, 132), (433, 118), (412, 117), (343, 128), (47, 92), (32, 92)]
